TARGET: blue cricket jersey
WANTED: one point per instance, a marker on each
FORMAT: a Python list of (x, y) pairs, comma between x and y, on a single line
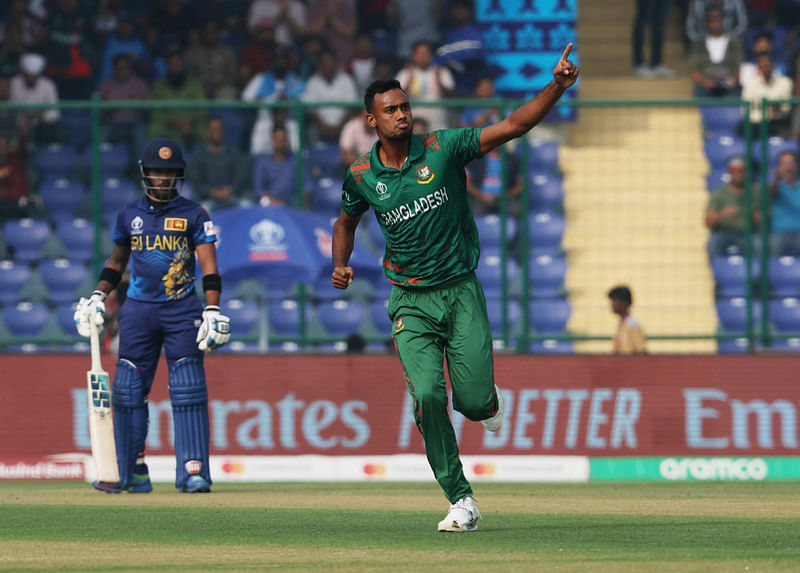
[(162, 243)]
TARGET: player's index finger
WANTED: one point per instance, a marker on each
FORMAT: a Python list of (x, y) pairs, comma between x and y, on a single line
[(567, 50)]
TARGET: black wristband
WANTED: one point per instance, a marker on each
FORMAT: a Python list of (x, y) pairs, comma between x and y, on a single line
[(110, 275), (212, 282)]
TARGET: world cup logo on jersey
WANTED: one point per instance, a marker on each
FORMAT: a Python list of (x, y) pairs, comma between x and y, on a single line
[(424, 174), (382, 190)]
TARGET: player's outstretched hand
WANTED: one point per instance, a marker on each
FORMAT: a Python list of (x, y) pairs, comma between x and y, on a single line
[(566, 73), (215, 330), (92, 309), (342, 277)]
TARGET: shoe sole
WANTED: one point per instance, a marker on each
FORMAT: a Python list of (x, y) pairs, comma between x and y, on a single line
[(454, 528)]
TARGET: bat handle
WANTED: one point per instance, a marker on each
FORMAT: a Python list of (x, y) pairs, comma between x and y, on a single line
[(94, 344)]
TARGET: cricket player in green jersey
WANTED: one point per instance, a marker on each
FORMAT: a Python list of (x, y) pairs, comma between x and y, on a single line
[(416, 184)]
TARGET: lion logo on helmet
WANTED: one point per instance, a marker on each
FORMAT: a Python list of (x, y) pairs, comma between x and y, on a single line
[(165, 152)]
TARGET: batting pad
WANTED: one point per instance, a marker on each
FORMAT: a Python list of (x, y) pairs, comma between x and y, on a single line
[(189, 395), (130, 418)]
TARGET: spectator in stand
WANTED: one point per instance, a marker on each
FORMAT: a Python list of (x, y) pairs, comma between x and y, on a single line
[(726, 215), (629, 338), (716, 60), (772, 85), (462, 50), (732, 12), (761, 43), (11, 51), (214, 64), (481, 116), (275, 173), (425, 81), (170, 22), (650, 14), (357, 138), (30, 86), (14, 200), (362, 65), (277, 84), (287, 16), (125, 125), (414, 21), (183, 125), (70, 50), (125, 40), (219, 175), (385, 68), (485, 183), (420, 125), (330, 83), (335, 22), (20, 16), (256, 57), (13, 123), (784, 193), (306, 61)]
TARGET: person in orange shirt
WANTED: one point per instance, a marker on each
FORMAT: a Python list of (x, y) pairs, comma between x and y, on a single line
[(629, 338)]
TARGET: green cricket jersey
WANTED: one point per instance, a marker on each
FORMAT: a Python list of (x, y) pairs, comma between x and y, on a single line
[(431, 237)]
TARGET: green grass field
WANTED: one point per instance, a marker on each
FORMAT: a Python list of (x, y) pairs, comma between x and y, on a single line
[(392, 527)]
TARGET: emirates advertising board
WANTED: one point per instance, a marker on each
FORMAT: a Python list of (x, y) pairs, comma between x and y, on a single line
[(327, 418)]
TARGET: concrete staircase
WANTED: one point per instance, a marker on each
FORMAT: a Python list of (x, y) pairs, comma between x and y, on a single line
[(635, 191)]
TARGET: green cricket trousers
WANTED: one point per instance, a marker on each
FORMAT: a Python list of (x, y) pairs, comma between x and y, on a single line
[(432, 323)]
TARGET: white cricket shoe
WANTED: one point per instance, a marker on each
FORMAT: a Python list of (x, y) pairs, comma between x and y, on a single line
[(496, 422), (463, 516)]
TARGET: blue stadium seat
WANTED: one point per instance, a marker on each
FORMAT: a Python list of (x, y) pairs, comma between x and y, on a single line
[(244, 315), (784, 314), (545, 230), (326, 195), (546, 193), (284, 317), (490, 234), (114, 159), (494, 306), (61, 197), (26, 237), (56, 160), (786, 344), (784, 276), (732, 314), (64, 317), (775, 146), (13, 277), (324, 159), (379, 315), (549, 316), (25, 319), (490, 272), (115, 194), (341, 317), (733, 346), (730, 274), (721, 120), (719, 149), (716, 178), (374, 233), (543, 156), (77, 127), (323, 289), (77, 236), (62, 277), (551, 346), (546, 274)]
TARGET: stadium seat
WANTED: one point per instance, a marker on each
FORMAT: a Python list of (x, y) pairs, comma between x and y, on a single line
[(545, 230), (549, 316), (284, 317), (77, 236), (326, 195), (733, 346), (62, 277), (77, 127), (341, 317), (546, 193), (61, 197), (114, 159), (324, 159), (716, 178), (784, 276), (26, 237), (785, 344), (25, 319), (543, 156), (244, 315), (719, 149), (115, 194), (784, 314), (13, 276), (732, 314), (551, 346), (64, 317), (494, 306), (775, 146), (489, 231), (490, 272), (380, 316), (374, 233), (721, 120), (546, 275), (323, 289), (56, 160), (730, 274)]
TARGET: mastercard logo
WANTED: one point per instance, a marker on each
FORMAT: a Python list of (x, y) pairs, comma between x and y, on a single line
[(233, 467), (164, 152), (483, 469), (374, 469)]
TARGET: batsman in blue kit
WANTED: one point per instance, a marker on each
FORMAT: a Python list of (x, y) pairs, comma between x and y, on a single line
[(161, 234)]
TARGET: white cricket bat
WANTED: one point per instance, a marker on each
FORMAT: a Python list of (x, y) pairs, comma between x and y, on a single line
[(101, 426)]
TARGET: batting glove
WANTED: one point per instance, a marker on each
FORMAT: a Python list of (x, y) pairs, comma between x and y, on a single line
[(215, 330), (92, 309)]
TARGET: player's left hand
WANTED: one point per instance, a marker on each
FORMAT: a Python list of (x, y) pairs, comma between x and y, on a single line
[(566, 73), (215, 331)]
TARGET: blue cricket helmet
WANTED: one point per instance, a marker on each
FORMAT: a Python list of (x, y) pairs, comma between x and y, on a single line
[(162, 153)]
